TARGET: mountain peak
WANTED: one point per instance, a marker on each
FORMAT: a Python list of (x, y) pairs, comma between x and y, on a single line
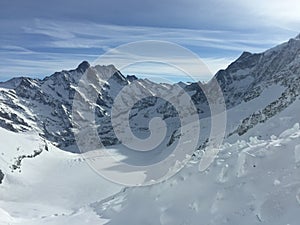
[(297, 37), (244, 55), (83, 66), (131, 77)]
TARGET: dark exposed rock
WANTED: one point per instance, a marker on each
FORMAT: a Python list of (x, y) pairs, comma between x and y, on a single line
[(83, 67), (18, 160), (1, 176)]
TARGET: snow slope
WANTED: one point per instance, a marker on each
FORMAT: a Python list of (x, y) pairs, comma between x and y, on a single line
[(54, 187), (250, 182)]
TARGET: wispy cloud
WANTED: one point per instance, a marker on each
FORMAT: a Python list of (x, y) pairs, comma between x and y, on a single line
[(91, 35), (217, 31)]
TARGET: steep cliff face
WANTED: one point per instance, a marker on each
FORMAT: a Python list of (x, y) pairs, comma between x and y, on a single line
[(252, 74)]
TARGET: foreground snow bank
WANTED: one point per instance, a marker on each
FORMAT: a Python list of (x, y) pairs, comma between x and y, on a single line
[(251, 182)]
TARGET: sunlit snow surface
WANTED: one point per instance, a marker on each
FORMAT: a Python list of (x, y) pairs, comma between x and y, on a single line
[(253, 182), (250, 182), (55, 187)]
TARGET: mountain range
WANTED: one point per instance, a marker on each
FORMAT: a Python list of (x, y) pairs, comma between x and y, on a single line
[(45, 105)]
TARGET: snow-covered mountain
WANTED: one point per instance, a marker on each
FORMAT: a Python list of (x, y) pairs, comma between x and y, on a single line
[(46, 105), (254, 179), (276, 71)]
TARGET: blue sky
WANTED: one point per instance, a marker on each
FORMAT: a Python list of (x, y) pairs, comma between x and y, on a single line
[(38, 38)]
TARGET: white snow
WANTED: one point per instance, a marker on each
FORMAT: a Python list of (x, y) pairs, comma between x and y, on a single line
[(258, 183), (250, 182), (55, 187)]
